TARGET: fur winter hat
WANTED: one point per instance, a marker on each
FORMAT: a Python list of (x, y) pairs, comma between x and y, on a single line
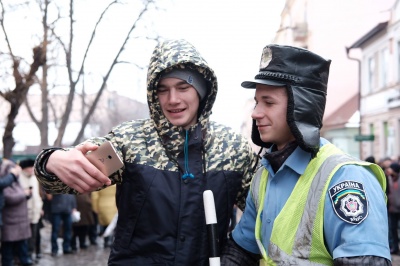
[(305, 76)]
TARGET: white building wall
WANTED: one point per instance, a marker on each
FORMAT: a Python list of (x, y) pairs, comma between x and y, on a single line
[(380, 102)]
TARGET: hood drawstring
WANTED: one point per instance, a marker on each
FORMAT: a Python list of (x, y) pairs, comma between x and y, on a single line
[(186, 155)]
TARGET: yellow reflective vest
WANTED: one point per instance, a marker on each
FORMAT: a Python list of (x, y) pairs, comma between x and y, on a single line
[(297, 236)]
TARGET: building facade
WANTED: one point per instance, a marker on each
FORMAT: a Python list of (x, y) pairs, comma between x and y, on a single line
[(328, 28), (380, 87)]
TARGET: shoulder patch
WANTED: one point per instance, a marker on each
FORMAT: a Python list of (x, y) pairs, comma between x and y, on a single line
[(349, 201)]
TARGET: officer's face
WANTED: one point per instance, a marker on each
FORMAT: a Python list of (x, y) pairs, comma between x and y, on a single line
[(270, 115), (179, 101)]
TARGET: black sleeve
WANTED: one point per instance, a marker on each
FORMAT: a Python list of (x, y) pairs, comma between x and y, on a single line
[(362, 261), (233, 254), (7, 180), (40, 164)]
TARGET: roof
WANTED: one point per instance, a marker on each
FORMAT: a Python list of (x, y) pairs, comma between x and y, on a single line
[(342, 115), (371, 34)]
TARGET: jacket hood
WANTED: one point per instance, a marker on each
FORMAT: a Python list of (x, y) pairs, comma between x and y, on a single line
[(172, 54)]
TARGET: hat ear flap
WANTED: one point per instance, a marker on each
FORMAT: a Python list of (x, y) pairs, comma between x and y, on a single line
[(302, 132)]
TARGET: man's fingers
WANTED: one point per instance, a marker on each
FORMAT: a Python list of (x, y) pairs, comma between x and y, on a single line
[(75, 170), (85, 184), (96, 176), (86, 146)]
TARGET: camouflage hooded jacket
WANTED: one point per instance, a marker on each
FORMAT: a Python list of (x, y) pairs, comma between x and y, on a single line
[(161, 215)]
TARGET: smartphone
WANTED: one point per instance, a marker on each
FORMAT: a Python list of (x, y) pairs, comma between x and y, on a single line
[(106, 158)]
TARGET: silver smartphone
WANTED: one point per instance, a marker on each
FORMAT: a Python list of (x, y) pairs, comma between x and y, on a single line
[(106, 158)]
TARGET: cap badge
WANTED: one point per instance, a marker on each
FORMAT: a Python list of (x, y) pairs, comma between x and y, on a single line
[(266, 57), (190, 80)]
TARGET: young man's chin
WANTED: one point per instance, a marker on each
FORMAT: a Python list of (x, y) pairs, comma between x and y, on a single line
[(265, 138), (177, 123)]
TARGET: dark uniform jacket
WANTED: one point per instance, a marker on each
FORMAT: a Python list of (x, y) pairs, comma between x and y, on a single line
[(161, 215)]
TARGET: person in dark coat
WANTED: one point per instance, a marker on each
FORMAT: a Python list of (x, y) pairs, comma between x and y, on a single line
[(80, 229), (392, 172), (61, 207)]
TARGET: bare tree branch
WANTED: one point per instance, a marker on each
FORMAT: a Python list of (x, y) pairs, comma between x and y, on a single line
[(46, 57), (103, 85), (4, 30), (92, 37)]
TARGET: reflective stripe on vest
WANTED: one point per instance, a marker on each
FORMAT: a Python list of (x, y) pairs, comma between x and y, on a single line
[(297, 236)]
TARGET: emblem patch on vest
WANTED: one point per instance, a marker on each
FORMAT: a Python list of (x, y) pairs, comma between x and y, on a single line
[(349, 201)]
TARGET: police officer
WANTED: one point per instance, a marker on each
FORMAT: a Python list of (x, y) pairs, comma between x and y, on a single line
[(309, 203)]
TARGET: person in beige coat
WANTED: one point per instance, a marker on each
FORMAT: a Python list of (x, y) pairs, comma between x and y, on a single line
[(28, 180), (103, 203)]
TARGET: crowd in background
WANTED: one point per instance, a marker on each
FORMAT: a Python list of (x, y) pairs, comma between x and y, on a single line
[(391, 168), (26, 208), (79, 219)]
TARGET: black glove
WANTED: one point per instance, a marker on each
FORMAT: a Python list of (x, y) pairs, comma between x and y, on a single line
[(361, 261), (233, 254)]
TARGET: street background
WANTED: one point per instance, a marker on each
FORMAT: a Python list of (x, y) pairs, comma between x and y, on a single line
[(93, 255)]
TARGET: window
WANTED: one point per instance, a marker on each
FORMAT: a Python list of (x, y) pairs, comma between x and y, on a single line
[(383, 68), (398, 59), (111, 103), (386, 139), (372, 80), (378, 67), (371, 143)]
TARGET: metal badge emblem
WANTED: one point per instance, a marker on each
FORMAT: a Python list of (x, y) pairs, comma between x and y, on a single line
[(266, 58)]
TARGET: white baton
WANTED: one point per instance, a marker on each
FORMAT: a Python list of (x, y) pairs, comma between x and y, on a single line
[(212, 228)]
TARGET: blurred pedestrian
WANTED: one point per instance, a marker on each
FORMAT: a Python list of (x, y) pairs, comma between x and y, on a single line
[(8, 174), (80, 229), (104, 205), (370, 159), (35, 204), (394, 206), (46, 218), (385, 163), (16, 225), (94, 230), (62, 206)]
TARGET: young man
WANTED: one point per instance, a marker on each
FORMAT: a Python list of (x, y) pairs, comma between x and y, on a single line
[(309, 203), (169, 161)]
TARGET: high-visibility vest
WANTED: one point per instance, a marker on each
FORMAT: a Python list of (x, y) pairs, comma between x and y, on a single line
[(291, 242)]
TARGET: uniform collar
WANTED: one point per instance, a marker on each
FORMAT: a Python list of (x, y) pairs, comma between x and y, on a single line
[(297, 161)]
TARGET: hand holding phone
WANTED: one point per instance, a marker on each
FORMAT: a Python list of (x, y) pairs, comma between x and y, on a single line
[(106, 158)]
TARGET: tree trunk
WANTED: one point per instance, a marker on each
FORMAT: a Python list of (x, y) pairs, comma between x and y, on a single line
[(8, 139)]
